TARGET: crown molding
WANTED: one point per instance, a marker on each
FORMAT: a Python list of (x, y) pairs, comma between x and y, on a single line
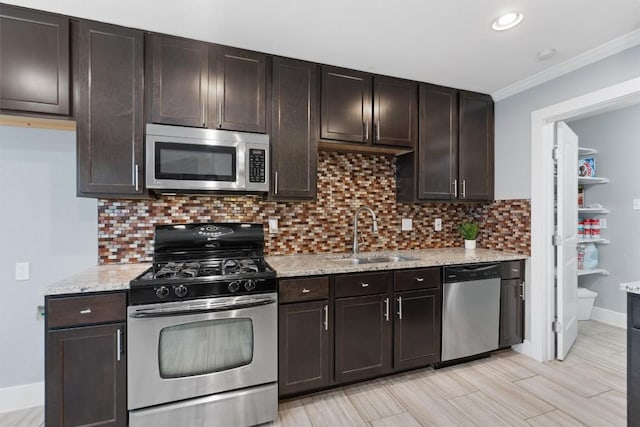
[(589, 57)]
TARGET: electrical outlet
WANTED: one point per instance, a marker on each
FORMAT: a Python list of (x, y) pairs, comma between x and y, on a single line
[(22, 271), (273, 225), (407, 224), (603, 222), (437, 224), (636, 204)]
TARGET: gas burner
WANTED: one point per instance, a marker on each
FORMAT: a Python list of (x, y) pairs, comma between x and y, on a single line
[(173, 270), (237, 266)]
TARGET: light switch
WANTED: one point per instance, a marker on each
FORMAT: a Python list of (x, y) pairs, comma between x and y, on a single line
[(636, 204), (22, 271), (407, 224), (603, 222), (273, 225), (437, 224)]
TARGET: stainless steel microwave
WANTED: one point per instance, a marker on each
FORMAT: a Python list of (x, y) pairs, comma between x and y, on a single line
[(182, 159)]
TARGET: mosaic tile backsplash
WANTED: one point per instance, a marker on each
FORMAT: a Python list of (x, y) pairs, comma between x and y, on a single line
[(345, 182)]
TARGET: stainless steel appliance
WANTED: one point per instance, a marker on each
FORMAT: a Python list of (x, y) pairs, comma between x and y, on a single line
[(202, 330), (182, 159), (470, 310)]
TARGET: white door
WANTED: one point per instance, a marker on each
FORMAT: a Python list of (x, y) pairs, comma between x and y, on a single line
[(567, 225)]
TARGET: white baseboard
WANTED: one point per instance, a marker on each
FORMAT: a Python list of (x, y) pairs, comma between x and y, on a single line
[(21, 397), (609, 317)]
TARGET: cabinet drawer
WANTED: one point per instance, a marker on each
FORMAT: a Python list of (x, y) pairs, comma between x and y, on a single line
[(305, 289), (85, 310), (421, 278), (512, 269), (363, 284)]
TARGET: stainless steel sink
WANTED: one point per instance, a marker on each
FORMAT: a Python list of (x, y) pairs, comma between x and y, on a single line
[(372, 260)]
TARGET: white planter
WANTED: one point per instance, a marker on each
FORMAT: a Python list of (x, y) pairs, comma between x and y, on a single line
[(469, 244)]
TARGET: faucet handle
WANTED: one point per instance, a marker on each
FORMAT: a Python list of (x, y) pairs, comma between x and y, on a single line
[(375, 226)]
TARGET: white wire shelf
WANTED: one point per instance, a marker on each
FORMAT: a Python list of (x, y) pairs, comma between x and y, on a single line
[(592, 271), (584, 151), (599, 240), (592, 180)]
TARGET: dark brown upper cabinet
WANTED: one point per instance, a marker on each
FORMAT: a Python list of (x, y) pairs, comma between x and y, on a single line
[(108, 70), (34, 70), (177, 80), (454, 155), (475, 146), (239, 95), (294, 129), (370, 110)]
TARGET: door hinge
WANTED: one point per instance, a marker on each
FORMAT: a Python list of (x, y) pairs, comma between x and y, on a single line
[(555, 239), (556, 326), (555, 154)]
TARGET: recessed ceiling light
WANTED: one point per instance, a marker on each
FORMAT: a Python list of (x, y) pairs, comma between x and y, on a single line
[(507, 21), (545, 54)]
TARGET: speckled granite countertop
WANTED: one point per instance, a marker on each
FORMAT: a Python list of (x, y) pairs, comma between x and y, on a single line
[(97, 279), (631, 287), (309, 265)]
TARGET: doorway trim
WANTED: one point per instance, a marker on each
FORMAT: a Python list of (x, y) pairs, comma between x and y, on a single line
[(541, 299)]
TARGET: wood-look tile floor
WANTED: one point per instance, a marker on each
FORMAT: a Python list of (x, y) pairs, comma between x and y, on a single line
[(507, 389)]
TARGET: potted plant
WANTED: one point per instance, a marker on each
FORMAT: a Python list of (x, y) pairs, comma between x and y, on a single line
[(469, 231)]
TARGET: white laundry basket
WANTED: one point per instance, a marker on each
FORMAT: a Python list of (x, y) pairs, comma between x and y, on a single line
[(586, 298)]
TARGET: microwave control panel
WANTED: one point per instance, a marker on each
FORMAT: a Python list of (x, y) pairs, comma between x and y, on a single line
[(257, 163)]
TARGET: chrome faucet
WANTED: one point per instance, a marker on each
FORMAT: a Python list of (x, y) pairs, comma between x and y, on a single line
[(355, 226)]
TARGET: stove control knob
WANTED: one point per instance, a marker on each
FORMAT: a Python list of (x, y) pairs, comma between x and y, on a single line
[(234, 286), (180, 291), (250, 285), (162, 292)]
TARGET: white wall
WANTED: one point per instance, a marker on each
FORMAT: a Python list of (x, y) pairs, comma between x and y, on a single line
[(513, 116), (42, 222), (616, 136)]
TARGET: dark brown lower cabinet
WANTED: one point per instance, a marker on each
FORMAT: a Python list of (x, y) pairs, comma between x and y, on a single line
[(511, 312), (304, 349), (417, 327), (86, 376), (363, 337), (633, 360)]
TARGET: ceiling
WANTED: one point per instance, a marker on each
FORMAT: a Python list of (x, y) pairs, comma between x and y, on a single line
[(438, 41)]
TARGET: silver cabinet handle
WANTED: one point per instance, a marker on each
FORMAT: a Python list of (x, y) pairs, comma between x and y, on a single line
[(119, 344), (275, 186), (136, 170), (400, 308), (386, 310), (378, 131), (455, 188), (366, 130), (464, 188), (85, 311), (522, 294), (364, 285), (204, 122), (326, 317), (305, 291), (420, 279)]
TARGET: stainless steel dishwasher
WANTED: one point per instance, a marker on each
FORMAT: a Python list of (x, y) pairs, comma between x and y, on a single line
[(470, 310)]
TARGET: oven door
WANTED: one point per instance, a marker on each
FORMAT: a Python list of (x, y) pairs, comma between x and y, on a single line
[(196, 348), (177, 163)]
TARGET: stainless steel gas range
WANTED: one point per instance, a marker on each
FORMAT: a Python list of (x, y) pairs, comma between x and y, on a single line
[(202, 330)]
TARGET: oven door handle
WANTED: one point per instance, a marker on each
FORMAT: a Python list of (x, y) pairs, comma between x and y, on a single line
[(177, 311)]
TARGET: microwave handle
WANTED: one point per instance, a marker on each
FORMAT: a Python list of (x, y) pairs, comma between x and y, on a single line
[(160, 312)]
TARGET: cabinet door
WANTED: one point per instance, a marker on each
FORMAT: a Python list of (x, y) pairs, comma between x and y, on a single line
[(346, 105), (86, 376), (511, 313), (417, 328), (395, 112), (294, 132), (108, 62), (633, 360), (34, 70), (437, 168), (241, 89), (363, 337), (475, 147), (179, 81), (304, 339)]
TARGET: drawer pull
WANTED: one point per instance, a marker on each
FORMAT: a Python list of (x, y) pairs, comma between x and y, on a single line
[(305, 291), (515, 270), (364, 285), (326, 317), (85, 311), (420, 279)]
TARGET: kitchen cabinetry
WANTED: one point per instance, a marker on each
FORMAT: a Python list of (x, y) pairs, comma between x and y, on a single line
[(363, 326), (108, 70), (238, 89), (370, 110), (294, 130), (177, 81), (633, 360), (512, 304), (34, 70), (455, 151), (305, 335), (417, 324), (85, 360)]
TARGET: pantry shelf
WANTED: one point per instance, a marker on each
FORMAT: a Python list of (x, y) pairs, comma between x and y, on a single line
[(592, 180), (593, 211), (599, 241), (593, 271), (584, 151)]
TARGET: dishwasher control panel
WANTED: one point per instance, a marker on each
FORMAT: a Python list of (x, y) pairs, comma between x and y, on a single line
[(467, 272)]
